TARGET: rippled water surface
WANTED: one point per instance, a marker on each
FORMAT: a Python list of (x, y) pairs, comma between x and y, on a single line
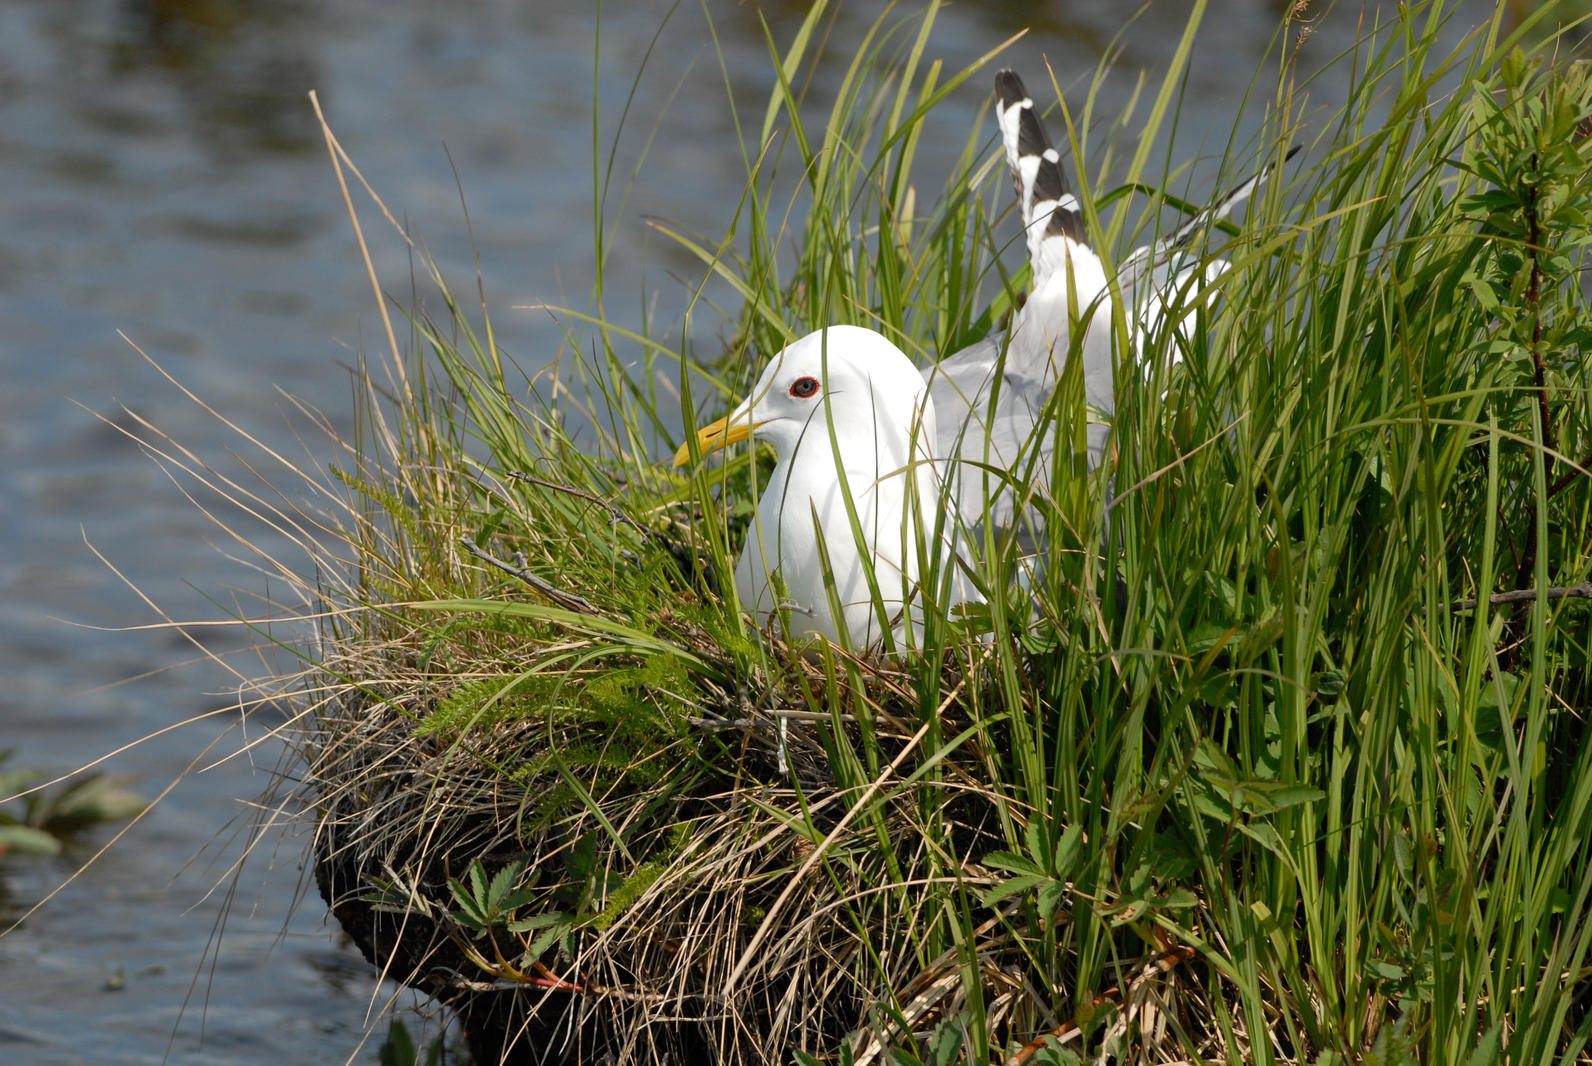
[(161, 175)]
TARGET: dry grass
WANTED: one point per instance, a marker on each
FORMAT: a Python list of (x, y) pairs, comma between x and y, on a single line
[(1280, 802), (740, 917)]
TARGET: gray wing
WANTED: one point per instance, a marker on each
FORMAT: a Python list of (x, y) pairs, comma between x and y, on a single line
[(1164, 276), (1149, 259), (991, 400), (995, 427)]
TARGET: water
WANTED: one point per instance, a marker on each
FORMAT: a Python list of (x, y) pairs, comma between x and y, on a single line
[(162, 175)]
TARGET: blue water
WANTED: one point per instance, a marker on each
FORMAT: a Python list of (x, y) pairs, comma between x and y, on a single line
[(161, 175)]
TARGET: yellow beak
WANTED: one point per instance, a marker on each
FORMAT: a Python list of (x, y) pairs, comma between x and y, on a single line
[(711, 438)]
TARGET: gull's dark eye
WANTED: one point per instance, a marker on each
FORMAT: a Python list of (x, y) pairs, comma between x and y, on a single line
[(802, 388)]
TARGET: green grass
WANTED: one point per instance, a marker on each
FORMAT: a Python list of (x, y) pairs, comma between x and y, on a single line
[(1348, 807)]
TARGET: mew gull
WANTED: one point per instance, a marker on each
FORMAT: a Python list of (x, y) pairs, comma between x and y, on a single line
[(852, 519), (850, 419)]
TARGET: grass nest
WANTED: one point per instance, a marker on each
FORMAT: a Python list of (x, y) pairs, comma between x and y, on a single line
[(721, 897)]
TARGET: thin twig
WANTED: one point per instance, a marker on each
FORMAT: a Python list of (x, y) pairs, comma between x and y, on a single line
[(719, 723), (1539, 371), (570, 490), (564, 599), (1576, 470), (828, 842), (1582, 591)]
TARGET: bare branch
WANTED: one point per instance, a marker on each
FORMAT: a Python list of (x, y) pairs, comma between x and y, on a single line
[(1499, 599), (564, 599)]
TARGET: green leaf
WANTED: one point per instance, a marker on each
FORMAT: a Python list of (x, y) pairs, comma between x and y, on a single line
[(28, 840), (1015, 886), (1052, 895), (1005, 860), (538, 921), (502, 882), (1487, 1051), (1067, 851), (553, 934), (399, 1047), (1386, 970)]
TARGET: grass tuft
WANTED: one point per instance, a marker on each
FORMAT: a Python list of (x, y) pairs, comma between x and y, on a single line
[(1287, 762)]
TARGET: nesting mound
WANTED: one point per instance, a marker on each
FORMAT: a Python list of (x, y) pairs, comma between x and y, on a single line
[(671, 901)]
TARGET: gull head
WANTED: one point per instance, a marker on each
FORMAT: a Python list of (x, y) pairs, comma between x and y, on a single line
[(835, 539), (847, 377)]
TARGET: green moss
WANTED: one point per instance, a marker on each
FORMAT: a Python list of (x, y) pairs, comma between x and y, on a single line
[(485, 703), (402, 512), (620, 899)]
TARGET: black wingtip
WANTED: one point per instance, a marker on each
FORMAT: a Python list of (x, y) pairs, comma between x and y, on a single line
[(1009, 87), (1068, 223), (1049, 181), (1031, 137)]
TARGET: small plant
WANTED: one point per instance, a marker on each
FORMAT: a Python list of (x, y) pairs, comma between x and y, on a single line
[(488, 904), (1536, 214), (47, 816)]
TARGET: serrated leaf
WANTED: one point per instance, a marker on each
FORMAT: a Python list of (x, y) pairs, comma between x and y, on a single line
[(1005, 860), (538, 921), (502, 882), (1013, 887), (1285, 796), (1051, 895), (549, 937), (470, 912), (1486, 1052), (1037, 836), (1067, 851), (515, 900)]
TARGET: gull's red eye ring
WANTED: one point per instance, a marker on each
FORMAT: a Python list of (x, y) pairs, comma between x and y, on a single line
[(802, 388)]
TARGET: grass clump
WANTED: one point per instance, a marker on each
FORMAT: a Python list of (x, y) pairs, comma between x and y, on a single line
[(1316, 786)]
